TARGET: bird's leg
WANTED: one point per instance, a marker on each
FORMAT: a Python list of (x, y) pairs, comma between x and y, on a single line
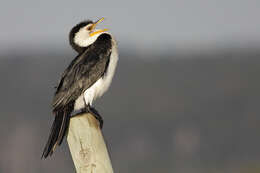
[(89, 109), (94, 112), (78, 112), (81, 111)]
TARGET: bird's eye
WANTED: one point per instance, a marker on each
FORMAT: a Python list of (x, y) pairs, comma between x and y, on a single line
[(88, 28)]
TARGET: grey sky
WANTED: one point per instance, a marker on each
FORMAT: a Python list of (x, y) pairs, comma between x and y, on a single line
[(140, 24)]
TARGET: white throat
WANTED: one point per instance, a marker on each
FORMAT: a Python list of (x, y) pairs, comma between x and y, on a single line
[(83, 39)]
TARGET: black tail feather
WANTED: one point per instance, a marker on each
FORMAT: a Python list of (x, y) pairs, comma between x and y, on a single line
[(56, 130), (64, 129), (59, 128)]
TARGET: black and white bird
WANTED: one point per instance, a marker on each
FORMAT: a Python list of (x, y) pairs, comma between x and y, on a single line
[(87, 77)]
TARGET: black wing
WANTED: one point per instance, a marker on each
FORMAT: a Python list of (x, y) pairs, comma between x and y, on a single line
[(83, 72)]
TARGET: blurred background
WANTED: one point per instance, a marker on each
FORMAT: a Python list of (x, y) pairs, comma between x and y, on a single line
[(185, 97)]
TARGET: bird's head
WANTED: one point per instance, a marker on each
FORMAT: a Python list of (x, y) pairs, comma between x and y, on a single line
[(84, 34)]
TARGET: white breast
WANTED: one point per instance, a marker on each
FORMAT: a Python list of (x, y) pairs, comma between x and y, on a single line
[(101, 85)]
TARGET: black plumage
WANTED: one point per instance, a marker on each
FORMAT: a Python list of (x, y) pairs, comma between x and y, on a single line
[(82, 73)]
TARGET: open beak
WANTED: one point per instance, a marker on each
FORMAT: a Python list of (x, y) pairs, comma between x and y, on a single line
[(94, 26)]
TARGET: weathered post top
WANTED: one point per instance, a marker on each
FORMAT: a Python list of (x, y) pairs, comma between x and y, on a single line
[(87, 146)]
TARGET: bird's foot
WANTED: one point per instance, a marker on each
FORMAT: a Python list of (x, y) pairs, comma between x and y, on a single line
[(78, 112), (92, 110), (95, 113)]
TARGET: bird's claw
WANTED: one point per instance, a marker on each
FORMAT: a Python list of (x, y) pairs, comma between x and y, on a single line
[(93, 111)]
